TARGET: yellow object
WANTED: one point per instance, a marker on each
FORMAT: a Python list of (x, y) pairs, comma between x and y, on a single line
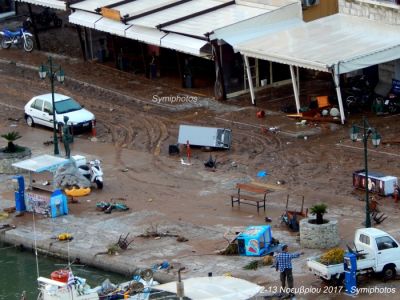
[(322, 101), (77, 192), (333, 256), (64, 236), (3, 215)]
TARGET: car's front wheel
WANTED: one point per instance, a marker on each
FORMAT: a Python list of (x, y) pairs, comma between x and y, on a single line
[(29, 121)]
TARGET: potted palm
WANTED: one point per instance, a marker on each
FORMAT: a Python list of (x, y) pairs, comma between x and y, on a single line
[(319, 210), (319, 233), (12, 153), (11, 137)]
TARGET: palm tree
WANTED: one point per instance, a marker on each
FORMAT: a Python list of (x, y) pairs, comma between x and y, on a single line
[(11, 137), (319, 210)]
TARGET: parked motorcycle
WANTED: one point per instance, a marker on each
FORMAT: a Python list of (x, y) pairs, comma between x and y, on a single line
[(359, 94), (20, 38), (392, 100), (93, 172)]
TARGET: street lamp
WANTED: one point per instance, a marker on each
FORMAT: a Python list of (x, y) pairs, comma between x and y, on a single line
[(376, 139), (45, 70)]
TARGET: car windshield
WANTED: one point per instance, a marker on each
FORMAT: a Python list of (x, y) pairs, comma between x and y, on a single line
[(66, 106)]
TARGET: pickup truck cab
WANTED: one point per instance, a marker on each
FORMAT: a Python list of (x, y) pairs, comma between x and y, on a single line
[(378, 252)]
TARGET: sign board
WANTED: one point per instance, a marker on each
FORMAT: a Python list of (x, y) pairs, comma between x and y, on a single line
[(110, 13), (37, 203)]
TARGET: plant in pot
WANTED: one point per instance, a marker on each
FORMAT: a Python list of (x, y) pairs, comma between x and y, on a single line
[(11, 137), (319, 210)]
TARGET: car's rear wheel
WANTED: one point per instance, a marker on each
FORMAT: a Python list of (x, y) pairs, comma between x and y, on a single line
[(29, 121)]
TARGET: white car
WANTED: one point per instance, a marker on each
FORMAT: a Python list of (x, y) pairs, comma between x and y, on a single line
[(39, 110)]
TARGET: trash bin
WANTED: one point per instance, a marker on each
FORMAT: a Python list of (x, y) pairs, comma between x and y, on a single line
[(188, 81), (153, 71)]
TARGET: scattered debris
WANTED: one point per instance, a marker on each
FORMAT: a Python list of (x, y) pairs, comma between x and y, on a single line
[(107, 207), (123, 242), (3, 215), (280, 182), (64, 237), (260, 114), (9, 210), (48, 143), (14, 119), (378, 218), (211, 163), (125, 170), (7, 226), (152, 232)]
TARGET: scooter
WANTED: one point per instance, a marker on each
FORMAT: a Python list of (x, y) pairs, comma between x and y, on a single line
[(21, 36), (93, 172)]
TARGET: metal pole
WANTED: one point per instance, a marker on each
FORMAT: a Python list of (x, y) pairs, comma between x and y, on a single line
[(365, 139), (55, 140)]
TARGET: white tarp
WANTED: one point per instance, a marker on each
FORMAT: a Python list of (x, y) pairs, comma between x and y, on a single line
[(215, 287), (143, 34), (111, 26), (339, 42), (61, 5), (41, 163)]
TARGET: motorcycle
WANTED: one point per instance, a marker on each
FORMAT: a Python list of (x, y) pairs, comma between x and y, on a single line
[(21, 37), (392, 100), (93, 172)]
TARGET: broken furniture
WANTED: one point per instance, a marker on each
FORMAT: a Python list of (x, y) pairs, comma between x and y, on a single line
[(292, 217), (254, 195), (377, 182)]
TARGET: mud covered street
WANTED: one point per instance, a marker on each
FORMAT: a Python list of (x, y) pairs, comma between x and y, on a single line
[(315, 161)]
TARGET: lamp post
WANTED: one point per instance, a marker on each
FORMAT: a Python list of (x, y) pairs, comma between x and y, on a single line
[(45, 70), (376, 139)]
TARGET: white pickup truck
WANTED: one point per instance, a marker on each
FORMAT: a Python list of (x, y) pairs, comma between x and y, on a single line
[(380, 252)]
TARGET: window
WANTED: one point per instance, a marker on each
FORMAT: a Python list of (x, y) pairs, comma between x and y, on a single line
[(364, 239), (37, 104), (385, 242), (48, 108), (66, 106)]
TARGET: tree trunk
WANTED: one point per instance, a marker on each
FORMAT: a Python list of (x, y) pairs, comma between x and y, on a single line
[(320, 219), (11, 147)]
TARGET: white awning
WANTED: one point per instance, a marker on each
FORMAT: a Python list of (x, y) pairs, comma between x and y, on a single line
[(61, 5), (275, 20), (111, 26), (92, 5), (205, 23), (83, 18), (339, 42), (186, 44), (143, 34)]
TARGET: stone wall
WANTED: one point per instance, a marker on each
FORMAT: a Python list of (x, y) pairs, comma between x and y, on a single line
[(321, 236), (383, 11), (7, 159)]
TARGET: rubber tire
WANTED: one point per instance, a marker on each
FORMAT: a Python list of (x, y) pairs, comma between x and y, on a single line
[(28, 44), (388, 272), (29, 121), (99, 184), (5, 45)]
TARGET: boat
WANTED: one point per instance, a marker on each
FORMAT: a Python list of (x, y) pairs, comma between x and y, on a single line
[(139, 288)]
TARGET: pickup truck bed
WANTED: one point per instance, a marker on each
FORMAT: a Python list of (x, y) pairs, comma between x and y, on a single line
[(334, 271)]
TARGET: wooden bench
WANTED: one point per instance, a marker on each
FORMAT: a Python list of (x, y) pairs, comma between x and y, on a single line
[(254, 200)]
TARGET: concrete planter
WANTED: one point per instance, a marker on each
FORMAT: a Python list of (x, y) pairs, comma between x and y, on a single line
[(7, 159), (319, 236)]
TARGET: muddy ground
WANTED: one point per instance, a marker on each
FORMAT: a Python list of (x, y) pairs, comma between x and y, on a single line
[(315, 161)]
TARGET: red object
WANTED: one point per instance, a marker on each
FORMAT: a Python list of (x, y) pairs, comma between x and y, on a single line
[(94, 128), (60, 275), (260, 114), (188, 150), (251, 249)]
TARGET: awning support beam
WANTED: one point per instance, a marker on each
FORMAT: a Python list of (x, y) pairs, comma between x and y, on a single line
[(252, 95), (336, 78), (295, 88)]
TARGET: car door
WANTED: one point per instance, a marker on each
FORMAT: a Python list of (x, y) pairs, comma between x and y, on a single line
[(47, 113), (388, 252), (36, 111)]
